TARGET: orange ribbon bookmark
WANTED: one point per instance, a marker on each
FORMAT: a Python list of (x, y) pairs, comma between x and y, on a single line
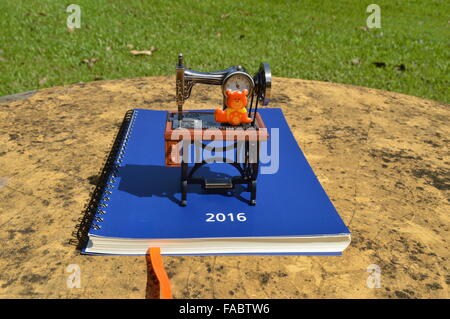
[(154, 254)]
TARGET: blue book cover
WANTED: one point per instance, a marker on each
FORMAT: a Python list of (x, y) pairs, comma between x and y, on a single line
[(140, 207)]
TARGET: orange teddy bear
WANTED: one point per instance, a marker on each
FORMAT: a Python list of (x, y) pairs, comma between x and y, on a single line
[(235, 113)]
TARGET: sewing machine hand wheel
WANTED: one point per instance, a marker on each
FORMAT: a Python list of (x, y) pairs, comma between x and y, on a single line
[(263, 83)]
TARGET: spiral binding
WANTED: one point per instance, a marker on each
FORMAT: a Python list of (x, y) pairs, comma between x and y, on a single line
[(104, 187), (111, 181)]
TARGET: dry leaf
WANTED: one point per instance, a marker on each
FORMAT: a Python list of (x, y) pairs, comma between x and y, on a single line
[(70, 29), (90, 62), (144, 52), (356, 61), (42, 81), (130, 46), (108, 48), (225, 15), (2, 59), (219, 35)]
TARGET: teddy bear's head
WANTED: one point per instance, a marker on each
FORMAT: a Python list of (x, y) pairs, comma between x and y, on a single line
[(236, 99)]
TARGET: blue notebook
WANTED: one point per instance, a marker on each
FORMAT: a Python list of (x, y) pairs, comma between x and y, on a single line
[(139, 207)]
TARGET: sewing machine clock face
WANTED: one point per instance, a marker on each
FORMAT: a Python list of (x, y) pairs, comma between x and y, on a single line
[(238, 81)]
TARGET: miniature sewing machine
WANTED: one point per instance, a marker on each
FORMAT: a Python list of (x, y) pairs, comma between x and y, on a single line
[(240, 127)]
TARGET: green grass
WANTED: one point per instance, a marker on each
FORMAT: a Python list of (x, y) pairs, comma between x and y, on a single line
[(314, 40)]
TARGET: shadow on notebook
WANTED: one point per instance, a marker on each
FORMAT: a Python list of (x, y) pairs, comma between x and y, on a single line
[(162, 181)]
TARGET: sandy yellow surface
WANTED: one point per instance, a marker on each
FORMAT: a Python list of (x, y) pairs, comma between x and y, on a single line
[(382, 157)]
